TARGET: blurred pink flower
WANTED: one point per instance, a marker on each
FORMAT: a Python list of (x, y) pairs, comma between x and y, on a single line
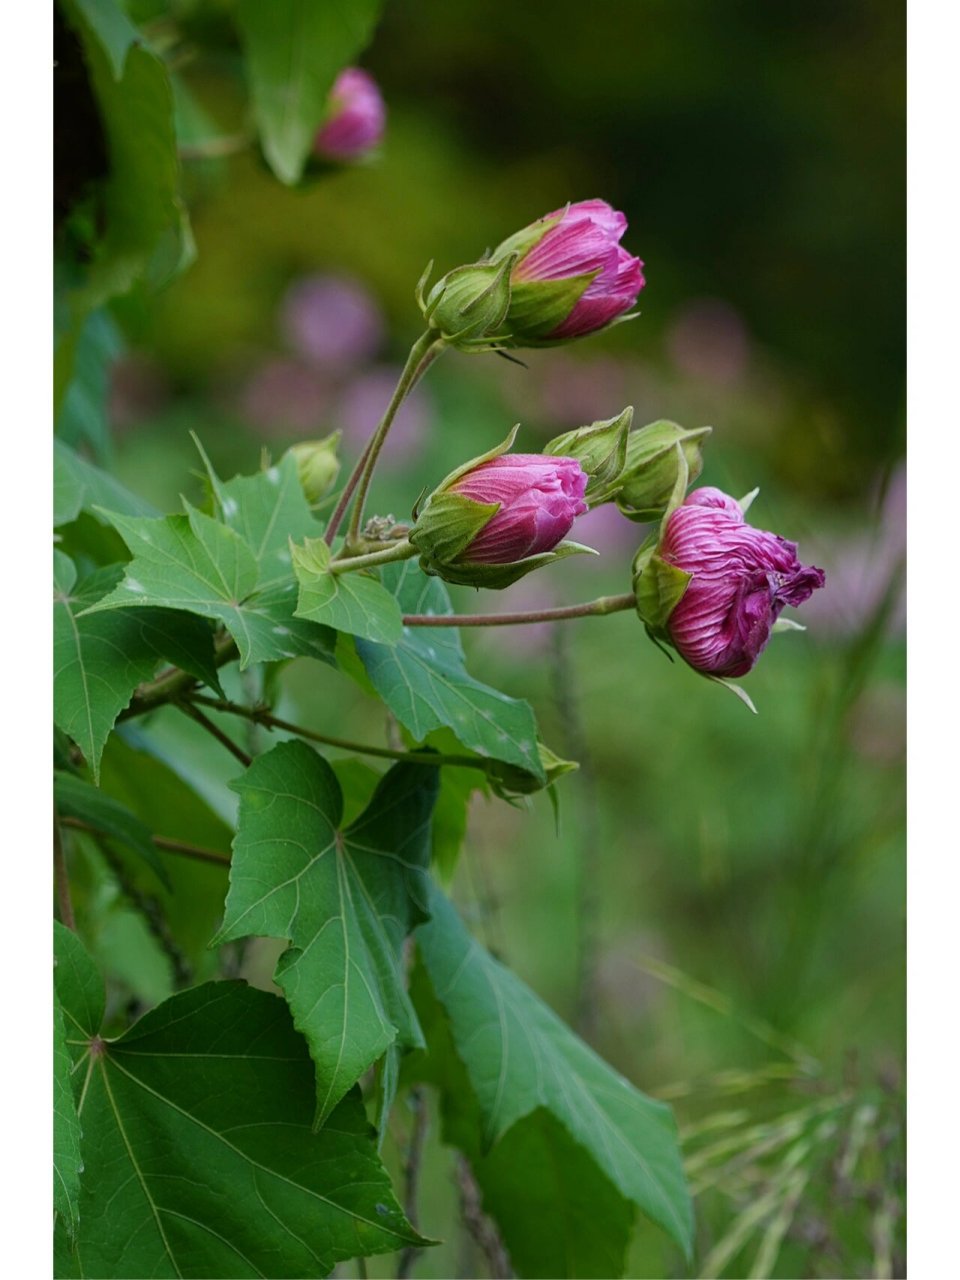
[(361, 407), (575, 391), (861, 567), (357, 117), (331, 321), (708, 340), (281, 395), (608, 532)]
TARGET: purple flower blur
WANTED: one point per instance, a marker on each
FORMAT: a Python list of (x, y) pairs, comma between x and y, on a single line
[(539, 498), (357, 117), (331, 321), (585, 240), (742, 578)]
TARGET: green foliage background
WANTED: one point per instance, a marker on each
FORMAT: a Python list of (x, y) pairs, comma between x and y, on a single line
[(719, 911)]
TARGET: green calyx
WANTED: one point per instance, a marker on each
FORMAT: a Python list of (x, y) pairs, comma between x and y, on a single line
[(447, 525), (507, 780), (538, 307), (468, 305), (653, 466), (601, 450), (659, 585)]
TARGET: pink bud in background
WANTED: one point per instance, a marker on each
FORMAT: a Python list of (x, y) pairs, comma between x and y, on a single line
[(539, 499), (742, 578), (585, 240), (356, 120)]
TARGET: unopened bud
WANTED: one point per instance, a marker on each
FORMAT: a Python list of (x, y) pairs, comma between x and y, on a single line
[(507, 780), (468, 305), (572, 276), (601, 450), (500, 516), (317, 465), (652, 466)]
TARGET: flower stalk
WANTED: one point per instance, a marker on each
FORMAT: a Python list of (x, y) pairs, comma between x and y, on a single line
[(589, 609), (399, 550), (422, 354)]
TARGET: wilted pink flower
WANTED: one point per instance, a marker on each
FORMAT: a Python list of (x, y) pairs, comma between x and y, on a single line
[(742, 578), (357, 117), (585, 241), (540, 497)]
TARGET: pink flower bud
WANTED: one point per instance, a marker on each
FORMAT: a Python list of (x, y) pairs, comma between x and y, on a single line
[(742, 578), (584, 240), (356, 120), (539, 499)]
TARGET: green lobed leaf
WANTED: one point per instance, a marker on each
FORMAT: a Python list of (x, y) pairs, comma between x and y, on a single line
[(80, 486), (294, 51), (75, 798), (112, 28), (345, 898), (81, 417), (557, 1211), (198, 1152), (352, 602), (66, 1129), (457, 788), (267, 509), (519, 1056), (99, 659), (424, 682), (140, 202), (558, 1214), (195, 563)]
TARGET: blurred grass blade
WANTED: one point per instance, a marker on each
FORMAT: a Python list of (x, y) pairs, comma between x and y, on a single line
[(722, 1004), (777, 1228)]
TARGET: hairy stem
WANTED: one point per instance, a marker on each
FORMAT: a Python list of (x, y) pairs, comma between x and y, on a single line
[(400, 550), (215, 732), (173, 683), (61, 880), (478, 1224), (422, 354), (590, 609), (187, 850), (411, 1176), (259, 715)]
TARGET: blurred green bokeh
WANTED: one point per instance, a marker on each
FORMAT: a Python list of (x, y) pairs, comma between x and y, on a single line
[(757, 151)]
